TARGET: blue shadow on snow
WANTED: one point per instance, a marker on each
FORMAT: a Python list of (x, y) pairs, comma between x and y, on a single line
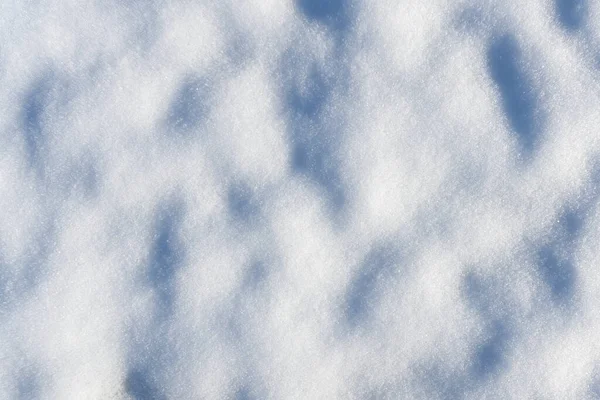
[(314, 136), (333, 13), (519, 100), (190, 106), (486, 297), (166, 255), (572, 14), (379, 266), (141, 386)]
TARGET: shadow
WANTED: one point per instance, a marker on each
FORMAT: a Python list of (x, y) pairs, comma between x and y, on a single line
[(490, 357), (571, 13), (487, 296), (573, 221), (166, 255), (240, 48), (140, 386), (243, 394), (190, 106), (88, 180), (307, 98), (320, 164), (242, 303), (440, 383), (257, 273), (470, 20), (81, 178), (361, 298), (20, 280), (332, 13), (557, 272), (519, 101), (28, 386), (314, 135), (484, 295), (242, 203), (144, 19), (555, 258), (12, 287), (150, 353), (594, 386), (34, 109), (251, 389)]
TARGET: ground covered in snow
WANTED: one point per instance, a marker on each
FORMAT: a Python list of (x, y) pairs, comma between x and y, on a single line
[(299, 199)]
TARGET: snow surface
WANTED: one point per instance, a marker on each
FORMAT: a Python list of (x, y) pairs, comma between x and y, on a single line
[(251, 199)]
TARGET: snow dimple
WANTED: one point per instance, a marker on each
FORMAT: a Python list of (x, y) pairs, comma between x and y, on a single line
[(190, 106), (558, 273), (518, 95), (489, 300), (150, 353), (19, 279), (243, 394), (556, 255), (440, 383), (307, 98), (334, 13), (242, 202), (572, 14), (28, 386), (594, 388), (376, 270), (315, 131), (35, 104), (139, 385), (490, 356), (143, 18), (257, 273), (166, 256)]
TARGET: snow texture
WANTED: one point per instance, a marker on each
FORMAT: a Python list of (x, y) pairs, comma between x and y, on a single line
[(299, 199)]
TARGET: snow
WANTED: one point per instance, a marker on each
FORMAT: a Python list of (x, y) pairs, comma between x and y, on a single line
[(299, 199)]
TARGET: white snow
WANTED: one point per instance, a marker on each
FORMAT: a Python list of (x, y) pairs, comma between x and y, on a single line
[(299, 199)]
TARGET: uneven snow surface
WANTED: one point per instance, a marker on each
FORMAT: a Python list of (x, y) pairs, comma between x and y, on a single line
[(307, 199)]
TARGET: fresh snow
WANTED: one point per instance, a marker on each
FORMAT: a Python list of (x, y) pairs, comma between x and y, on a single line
[(299, 199)]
